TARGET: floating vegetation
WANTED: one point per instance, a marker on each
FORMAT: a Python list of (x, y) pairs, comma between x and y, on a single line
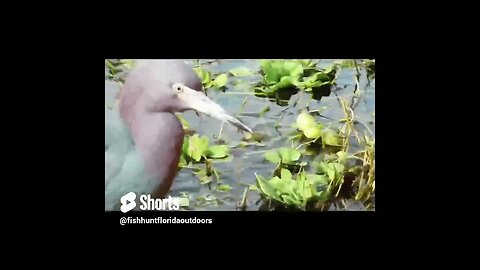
[(284, 78)]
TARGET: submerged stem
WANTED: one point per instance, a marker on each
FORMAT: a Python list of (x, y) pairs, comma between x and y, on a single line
[(221, 129), (243, 205)]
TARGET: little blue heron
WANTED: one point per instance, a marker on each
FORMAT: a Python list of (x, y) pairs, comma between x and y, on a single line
[(143, 136)]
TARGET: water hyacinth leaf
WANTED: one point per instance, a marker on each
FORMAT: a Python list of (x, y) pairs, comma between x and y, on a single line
[(316, 179), (204, 178), (334, 171), (329, 137), (272, 71), (184, 194), (305, 121), (285, 82), (185, 145), (342, 156), (184, 202), (220, 81), (110, 66), (328, 169), (275, 70), (339, 168), (265, 187), (264, 65), (292, 68), (224, 188), (295, 136), (300, 184), (240, 71), (298, 197), (320, 84), (292, 192), (329, 70), (197, 147), (272, 76), (278, 184), (307, 63), (128, 63), (184, 122), (308, 192), (273, 157), (218, 151), (253, 187), (313, 132), (282, 186), (289, 155), (288, 199), (263, 90), (357, 170), (248, 136), (317, 77), (286, 174), (203, 74), (182, 162)]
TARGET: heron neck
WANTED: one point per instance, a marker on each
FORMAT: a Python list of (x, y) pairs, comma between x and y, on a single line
[(158, 138)]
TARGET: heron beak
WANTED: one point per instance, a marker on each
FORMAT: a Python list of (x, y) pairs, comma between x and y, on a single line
[(198, 101)]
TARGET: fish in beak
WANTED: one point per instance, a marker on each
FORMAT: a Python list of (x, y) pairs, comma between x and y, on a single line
[(200, 102)]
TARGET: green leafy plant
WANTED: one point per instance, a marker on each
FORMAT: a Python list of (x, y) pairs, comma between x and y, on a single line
[(118, 68), (184, 122), (197, 148), (307, 124), (333, 170), (283, 156), (312, 130), (128, 63), (219, 82), (294, 192), (280, 74), (292, 74), (224, 188), (240, 71), (317, 80)]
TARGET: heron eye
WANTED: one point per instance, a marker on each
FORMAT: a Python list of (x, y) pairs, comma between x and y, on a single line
[(178, 88)]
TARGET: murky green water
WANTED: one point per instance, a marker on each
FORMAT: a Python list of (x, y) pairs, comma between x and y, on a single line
[(238, 99)]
